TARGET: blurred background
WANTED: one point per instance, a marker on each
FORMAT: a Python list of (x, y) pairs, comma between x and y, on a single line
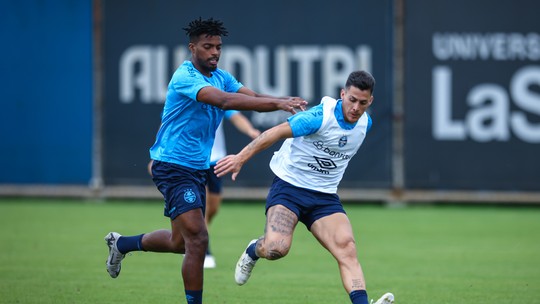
[(456, 114)]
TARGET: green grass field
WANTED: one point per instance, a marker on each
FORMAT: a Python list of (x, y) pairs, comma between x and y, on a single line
[(53, 252)]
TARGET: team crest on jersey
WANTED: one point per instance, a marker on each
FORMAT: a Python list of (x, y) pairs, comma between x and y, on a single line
[(189, 196), (191, 71), (342, 141)]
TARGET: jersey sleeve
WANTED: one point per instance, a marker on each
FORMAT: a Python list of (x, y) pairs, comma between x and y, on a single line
[(230, 113), (231, 84), (188, 83), (307, 122)]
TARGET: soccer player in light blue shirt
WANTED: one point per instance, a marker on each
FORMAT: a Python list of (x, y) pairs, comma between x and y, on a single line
[(197, 96), (183, 114)]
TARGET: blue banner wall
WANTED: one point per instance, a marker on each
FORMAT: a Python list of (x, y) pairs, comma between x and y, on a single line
[(472, 110), (46, 95), (307, 50), (472, 85)]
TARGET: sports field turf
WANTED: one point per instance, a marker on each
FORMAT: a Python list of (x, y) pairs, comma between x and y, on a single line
[(53, 252)]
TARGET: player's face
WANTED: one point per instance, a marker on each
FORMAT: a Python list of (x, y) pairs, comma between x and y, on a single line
[(355, 103), (205, 53)]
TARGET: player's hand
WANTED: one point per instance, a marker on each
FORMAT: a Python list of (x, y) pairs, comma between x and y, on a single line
[(228, 164), (294, 103)]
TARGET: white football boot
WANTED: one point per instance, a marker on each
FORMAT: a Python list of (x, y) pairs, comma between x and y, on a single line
[(387, 298), (244, 266), (114, 261)]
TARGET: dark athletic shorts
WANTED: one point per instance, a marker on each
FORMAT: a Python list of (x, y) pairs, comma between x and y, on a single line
[(308, 205), (214, 182), (183, 188)]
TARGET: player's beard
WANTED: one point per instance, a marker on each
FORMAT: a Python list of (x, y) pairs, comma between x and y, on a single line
[(210, 66), (206, 66)]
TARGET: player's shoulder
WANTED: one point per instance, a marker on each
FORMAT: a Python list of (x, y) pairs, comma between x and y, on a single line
[(314, 111), (186, 71), (369, 121)]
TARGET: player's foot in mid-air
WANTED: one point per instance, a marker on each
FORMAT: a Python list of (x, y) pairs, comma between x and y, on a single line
[(244, 266), (209, 261), (387, 298), (114, 261)]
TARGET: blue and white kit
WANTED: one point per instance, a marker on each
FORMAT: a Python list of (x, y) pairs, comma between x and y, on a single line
[(322, 145)]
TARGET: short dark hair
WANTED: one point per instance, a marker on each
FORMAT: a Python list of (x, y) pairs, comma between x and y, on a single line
[(362, 80), (210, 27)]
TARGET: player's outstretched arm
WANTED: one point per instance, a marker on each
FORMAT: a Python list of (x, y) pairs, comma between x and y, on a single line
[(233, 163), (243, 124), (247, 91), (239, 101)]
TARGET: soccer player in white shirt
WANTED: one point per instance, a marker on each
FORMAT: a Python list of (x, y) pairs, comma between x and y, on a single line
[(309, 166)]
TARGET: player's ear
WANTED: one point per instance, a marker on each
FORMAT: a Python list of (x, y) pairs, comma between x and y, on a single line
[(342, 94)]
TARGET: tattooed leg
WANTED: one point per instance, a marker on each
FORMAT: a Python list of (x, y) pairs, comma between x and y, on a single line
[(280, 224)]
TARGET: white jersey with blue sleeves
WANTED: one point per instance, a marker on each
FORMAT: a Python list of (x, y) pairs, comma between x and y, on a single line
[(188, 127), (323, 143)]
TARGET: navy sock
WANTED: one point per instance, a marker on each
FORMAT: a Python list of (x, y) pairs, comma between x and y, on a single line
[(127, 244), (251, 251), (194, 296), (358, 297)]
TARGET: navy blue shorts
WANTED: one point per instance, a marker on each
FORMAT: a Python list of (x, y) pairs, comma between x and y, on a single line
[(183, 188), (214, 182), (308, 205)]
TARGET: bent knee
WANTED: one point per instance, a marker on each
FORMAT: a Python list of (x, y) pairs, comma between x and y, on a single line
[(274, 249), (276, 254), (346, 243), (198, 243), (346, 247)]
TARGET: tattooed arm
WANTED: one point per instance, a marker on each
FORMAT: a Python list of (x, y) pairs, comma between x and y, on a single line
[(233, 163)]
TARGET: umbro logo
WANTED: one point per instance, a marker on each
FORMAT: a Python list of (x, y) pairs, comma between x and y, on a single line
[(325, 163)]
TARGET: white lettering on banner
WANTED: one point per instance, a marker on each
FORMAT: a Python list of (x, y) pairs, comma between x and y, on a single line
[(489, 118), (129, 79), (444, 128), (490, 46), (145, 69), (255, 71), (526, 99), (305, 56)]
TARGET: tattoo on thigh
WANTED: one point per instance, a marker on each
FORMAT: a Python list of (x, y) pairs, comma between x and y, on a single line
[(282, 222)]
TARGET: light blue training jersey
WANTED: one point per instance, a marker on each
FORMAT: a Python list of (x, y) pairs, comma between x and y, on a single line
[(308, 122), (219, 149), (188, 127)]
